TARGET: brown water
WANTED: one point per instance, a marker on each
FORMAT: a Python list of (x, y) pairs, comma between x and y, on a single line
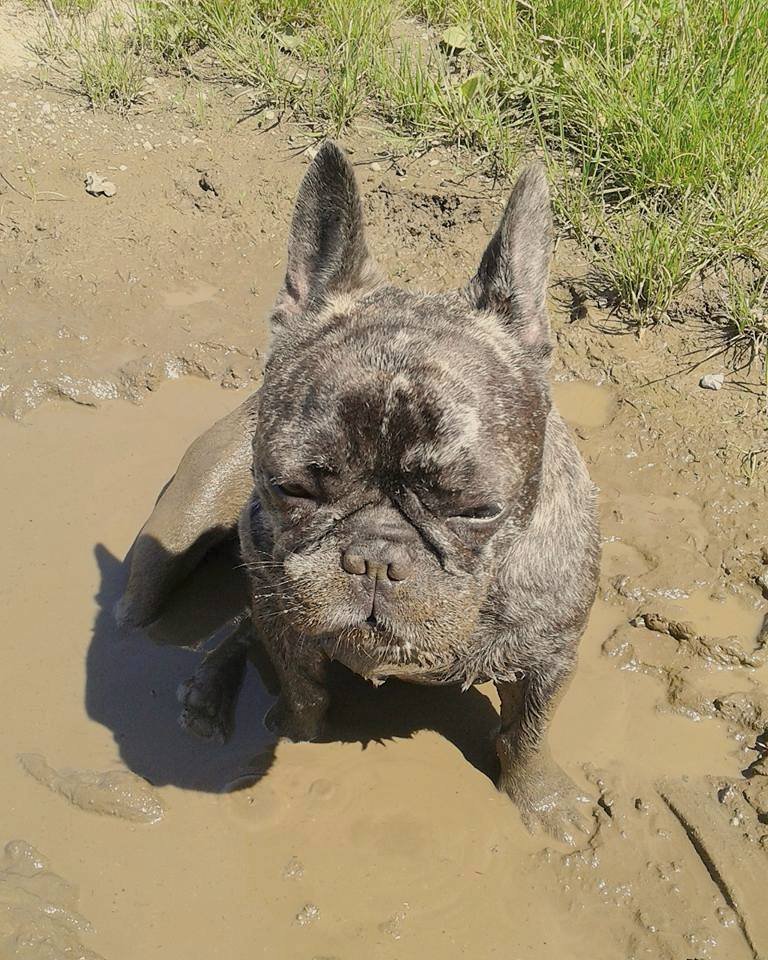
[(394, 847)]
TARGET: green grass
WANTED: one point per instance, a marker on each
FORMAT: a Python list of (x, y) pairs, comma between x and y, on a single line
[(67, 8), (73, 8), (652, 114), (110, 73)]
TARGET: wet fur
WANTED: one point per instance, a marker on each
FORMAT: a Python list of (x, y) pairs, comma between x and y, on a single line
[(399, 411)]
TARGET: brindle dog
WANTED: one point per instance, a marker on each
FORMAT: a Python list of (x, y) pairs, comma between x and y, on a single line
[(408, 500)]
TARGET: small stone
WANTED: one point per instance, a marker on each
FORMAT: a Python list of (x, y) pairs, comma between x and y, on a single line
[(376, 167), (98, 186), (311, 152), (147, 146), (712, 381), (308, 914), (45, 108), (269, 115)]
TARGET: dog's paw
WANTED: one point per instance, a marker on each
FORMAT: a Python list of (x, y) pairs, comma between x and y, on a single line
[(208, 707), (550, 802)]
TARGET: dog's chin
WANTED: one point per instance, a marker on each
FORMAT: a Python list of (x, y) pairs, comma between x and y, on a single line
[(356, 630)]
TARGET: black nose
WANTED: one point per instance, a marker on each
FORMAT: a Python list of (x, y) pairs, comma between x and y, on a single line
[(381, 560)]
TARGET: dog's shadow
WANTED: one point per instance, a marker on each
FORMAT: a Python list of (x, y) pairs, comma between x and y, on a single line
[(132, 677)]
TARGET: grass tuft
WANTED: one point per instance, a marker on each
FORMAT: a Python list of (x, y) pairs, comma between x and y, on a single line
[(110, 73)]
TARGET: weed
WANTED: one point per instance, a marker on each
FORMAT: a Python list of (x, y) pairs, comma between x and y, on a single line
[(110, 72), (74, 8), (648, 257)]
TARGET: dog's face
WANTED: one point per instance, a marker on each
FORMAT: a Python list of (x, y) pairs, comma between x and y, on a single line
[(400, 435)]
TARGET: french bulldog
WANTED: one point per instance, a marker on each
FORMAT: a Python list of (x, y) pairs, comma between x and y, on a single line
[(407, 498)]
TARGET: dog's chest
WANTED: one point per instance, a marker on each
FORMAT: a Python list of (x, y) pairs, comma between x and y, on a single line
[(377, 663)]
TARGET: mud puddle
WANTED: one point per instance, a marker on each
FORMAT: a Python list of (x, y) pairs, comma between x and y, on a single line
[(389, 841)]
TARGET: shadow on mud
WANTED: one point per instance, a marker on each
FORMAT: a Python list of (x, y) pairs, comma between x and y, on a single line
[(132, 677)]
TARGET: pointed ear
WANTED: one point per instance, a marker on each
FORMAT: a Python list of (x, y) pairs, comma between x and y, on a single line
[(327, 253), (513, 274)]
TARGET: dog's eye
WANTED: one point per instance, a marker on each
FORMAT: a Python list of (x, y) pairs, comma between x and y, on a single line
[(483, 511), (292, 490)]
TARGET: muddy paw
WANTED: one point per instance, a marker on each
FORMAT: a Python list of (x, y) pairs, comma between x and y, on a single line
[(207, 708), (550, 801)]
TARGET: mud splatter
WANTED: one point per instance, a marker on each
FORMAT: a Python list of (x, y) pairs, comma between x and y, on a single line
[(38, 910), (117, 793)]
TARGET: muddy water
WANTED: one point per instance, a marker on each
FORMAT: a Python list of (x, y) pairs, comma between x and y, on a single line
[(388, 841)]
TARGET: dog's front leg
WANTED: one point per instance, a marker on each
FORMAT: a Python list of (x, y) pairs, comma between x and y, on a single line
[(209, 697), (545, 795), (303, 701)]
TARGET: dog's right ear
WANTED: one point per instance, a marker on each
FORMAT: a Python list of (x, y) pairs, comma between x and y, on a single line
[(327, 252)]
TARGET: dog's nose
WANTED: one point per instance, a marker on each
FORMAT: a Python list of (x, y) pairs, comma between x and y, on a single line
[(382, 561)]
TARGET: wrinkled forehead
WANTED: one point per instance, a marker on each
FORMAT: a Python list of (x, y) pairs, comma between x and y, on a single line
[(436, 422)]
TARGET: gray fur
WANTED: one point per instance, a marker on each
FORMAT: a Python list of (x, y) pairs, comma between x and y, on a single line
[(411, 439)]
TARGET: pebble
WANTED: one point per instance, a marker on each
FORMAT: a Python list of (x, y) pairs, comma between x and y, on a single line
[(376, 167), (712, 381), (99, 186), (147, 146)]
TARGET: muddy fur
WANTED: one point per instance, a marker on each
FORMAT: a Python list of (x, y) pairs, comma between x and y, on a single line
[(415, 506)]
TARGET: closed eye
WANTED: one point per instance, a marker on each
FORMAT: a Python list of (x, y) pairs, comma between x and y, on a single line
[(482, 511), (292, 491)]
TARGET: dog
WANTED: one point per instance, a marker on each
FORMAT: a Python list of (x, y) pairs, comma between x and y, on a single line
[(407, 498)]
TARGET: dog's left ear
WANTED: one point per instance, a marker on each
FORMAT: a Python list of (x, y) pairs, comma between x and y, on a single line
[(512, 278), (327, 252)]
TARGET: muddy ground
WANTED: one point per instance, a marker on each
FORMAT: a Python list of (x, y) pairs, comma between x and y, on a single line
[(121, 320)]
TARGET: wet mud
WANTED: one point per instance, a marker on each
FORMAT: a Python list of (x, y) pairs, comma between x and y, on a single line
[(38, 909), (118, 793), (388, 840)]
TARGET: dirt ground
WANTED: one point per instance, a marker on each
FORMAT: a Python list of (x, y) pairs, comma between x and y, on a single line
[(121, 320)]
